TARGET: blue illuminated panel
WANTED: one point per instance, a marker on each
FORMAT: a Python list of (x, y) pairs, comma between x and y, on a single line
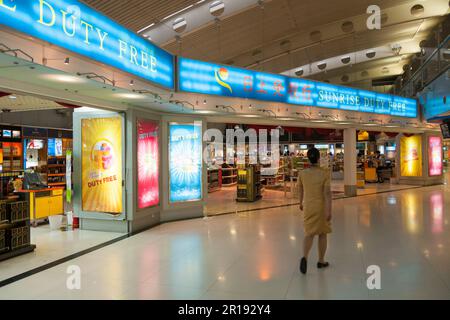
[(76, 27), (207, 78), (185, 162)]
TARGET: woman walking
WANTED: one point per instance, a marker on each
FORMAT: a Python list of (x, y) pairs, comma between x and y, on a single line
[(315, 202)]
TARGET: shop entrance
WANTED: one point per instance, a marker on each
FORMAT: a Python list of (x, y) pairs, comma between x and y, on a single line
[(36, 185), (269, 185)]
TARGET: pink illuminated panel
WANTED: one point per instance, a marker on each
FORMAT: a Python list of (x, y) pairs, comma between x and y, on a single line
[(435, 156), (147, 163)]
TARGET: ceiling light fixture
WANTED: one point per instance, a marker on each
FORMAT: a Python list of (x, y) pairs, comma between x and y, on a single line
[(12, 97), (66, 61), (131, 82), (217, 8)]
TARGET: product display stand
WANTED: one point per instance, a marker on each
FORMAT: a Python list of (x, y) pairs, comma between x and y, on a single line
[(229, 176), (249, 184), (214, 179), (14, 229)]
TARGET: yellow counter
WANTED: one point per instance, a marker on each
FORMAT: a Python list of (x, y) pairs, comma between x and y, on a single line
[(44, 202)]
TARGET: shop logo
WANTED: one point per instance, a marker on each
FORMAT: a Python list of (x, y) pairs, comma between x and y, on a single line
[(222, 75), (102, 155)]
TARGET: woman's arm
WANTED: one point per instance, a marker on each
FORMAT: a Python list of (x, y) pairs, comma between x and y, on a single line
[(327, 196)]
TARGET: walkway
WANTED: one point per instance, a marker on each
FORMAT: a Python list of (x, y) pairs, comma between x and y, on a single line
[(255, 256)]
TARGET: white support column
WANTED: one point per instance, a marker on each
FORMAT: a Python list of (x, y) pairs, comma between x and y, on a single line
[(350, 158)]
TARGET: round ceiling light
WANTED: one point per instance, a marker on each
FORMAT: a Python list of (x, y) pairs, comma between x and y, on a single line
[(345, 59), (322, 65), (371, 54), (417, 10), (299, 72), (217, 8), (179, 25)]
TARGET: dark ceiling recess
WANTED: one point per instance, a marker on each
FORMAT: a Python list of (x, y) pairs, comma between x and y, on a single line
[(387, 81), (347, 26)]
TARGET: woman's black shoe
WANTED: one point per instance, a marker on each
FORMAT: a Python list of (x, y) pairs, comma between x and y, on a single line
[(303, 265), (322, 265)]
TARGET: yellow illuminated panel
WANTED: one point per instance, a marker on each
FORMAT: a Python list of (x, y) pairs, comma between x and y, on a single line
[(411, 156), (102, 164)]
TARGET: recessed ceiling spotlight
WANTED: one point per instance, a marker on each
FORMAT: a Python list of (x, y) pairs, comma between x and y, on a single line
[(371, 54), (216, 8), (131, 82), (66, 61), (322, 65), (204, 101), (179, 25), (345, 59), (299, 72)]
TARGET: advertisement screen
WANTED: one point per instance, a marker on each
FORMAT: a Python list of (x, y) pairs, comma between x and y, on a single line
[(411, 156), (185, 162), (101, 159), (55, 147), (147, 163), (35, 144), (434, 156)]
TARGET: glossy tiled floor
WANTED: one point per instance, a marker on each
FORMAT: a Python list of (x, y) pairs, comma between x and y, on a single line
[(52, 245), (223, 201), (255, 256)]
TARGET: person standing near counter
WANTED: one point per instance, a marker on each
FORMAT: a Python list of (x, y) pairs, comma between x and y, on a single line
[(315, 202)]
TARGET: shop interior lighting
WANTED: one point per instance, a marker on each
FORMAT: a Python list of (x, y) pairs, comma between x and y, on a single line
[(304, 115), (12, 97), (15, 52), (93, 75), (227, 108)]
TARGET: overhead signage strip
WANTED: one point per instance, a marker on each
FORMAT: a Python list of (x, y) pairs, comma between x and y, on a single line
[(208, 78), (78, 28)]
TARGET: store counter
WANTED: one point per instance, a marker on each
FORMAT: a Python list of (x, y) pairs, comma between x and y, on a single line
[(44, 202)]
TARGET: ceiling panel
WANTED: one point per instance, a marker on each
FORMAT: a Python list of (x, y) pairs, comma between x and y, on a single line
[(137, 14), (26, 103)]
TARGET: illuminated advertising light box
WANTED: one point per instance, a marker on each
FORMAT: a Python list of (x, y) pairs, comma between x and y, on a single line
[(185, 162), (434, 156), (147, 163), (101, 161), (411, 156), (208, 78), (78, 28)]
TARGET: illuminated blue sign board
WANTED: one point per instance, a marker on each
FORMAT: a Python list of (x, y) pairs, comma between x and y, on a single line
[(207, 78), (185, 162), (76, 27)]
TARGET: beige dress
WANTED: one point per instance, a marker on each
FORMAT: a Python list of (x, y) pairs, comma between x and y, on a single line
[(314, 181)]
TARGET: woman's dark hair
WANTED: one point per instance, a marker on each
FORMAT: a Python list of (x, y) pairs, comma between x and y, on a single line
[(313, 155)]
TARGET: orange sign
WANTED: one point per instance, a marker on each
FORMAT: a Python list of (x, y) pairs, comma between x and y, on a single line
[(102, 165), (411, 156)]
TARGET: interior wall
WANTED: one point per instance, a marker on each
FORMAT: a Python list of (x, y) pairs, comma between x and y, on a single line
[(56, 118)]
